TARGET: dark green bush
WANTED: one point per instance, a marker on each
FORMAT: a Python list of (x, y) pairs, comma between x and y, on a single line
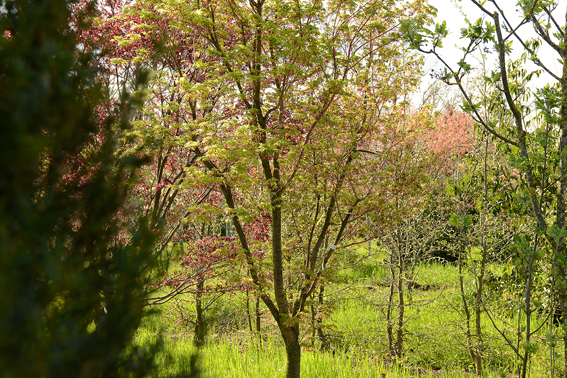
[(74, 259)]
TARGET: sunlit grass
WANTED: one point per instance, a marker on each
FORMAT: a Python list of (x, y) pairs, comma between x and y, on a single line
[(267, 359), (435, 343)]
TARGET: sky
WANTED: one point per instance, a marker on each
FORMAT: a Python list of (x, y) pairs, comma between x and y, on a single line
[(448, 11)]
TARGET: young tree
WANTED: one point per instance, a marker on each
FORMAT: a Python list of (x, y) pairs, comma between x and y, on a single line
[(287, 108), (410, 239), (535, 136), (74, 261)]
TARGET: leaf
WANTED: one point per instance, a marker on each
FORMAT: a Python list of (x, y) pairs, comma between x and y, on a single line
[(556, 233), (464, 65)]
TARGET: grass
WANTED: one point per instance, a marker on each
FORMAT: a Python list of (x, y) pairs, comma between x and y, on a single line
[(237, 359), (434, 339)]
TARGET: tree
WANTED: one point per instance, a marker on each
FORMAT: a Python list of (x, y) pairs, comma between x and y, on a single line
[(534, 136), (75, 257), (288, 109), (411, 239)]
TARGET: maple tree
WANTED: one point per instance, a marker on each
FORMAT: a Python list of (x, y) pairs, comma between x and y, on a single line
[(408, 239), (287, 110), (450, 140), (206, 258)]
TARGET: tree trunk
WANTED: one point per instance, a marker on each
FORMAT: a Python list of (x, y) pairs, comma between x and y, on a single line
[(199, 339), (563, 181), (292, 349), (389, 324), (479, 345), (320, 333), (562, 299), (400, 331), (466, 310), (258, 316), (313, 323), (317, 322), (248, 311)]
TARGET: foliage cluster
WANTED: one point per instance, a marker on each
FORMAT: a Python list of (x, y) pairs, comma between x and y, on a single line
[(75, 258)]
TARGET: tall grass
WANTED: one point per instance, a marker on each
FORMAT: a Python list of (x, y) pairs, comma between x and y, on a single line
[(435, 343), (257, 358)]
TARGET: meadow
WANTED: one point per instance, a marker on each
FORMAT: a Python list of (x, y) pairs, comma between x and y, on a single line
[(434, 332)]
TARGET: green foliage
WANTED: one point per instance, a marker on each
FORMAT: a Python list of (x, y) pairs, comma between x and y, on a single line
[(75, 258), (556, 233)]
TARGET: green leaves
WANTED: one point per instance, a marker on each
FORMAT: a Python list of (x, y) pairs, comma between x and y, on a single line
[(556, 233), (461, 221), (441, 30), (548, 100), (525, 249), (464, 65), (521, 245), (419, 36), (478, 31)]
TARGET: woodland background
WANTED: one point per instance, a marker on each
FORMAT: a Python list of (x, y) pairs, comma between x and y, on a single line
[(252, 188)]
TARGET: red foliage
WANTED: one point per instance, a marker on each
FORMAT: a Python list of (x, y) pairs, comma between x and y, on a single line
[(451, 138)]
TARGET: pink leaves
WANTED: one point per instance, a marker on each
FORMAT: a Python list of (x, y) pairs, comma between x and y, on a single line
[(208, 251), (451, 138)]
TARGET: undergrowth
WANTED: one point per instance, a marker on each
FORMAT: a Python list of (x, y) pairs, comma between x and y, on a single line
[(434, 339)]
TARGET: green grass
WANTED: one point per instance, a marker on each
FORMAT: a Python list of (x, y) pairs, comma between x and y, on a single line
[(434, 340), (252, 359)]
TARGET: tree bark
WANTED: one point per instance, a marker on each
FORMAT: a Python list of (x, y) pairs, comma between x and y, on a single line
[(293, 349), (248, 312), (389, 325), (400, 283), (322, 337), (562, 292), (199, 339), (258, 317)]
